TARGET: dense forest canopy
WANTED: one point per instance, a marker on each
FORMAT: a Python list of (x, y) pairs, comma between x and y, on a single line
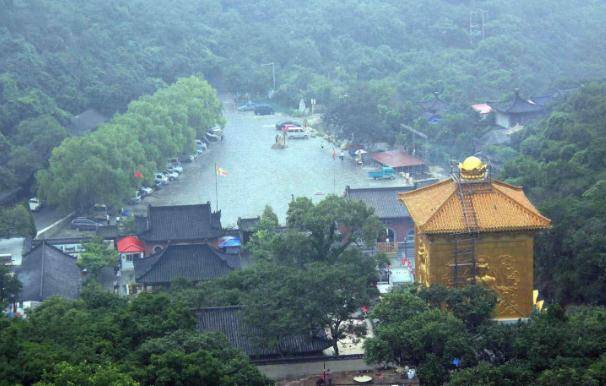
[(60, 59), (562, 165)]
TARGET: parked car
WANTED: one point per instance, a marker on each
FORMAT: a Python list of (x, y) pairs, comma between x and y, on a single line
[(297, 133), (145, 191), (216, 131), (34, 204), (280, 125), (174, 168), (212, 137), (248, 106), (85, 224), (171, 175), (100, 212), (264, 110), (186, 158), (160, 178)]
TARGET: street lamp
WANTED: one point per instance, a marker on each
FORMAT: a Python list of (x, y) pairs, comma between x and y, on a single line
[(273, 73)]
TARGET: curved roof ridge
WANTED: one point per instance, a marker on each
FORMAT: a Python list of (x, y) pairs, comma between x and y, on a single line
[(499, 182), (414, 193), (151, 260), (532, 211)]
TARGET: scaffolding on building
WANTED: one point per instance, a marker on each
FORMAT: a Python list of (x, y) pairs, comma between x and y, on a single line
[(464, 265)]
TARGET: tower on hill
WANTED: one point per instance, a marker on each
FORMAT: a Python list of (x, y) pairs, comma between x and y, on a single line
[(474, 230)]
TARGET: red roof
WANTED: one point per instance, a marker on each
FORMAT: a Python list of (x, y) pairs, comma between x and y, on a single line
[(130, 244), (396, 159)]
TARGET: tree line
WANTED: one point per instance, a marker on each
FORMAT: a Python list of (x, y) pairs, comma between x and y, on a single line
[(447, 334), (561, 162), (101, 339), (104, 166)]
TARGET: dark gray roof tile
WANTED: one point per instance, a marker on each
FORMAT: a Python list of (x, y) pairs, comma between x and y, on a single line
[(181, 223), (192, 262), (45, 272), (384, 200), (230, 322)]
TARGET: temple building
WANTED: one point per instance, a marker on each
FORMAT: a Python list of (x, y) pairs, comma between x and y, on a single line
[(472, 229), (517, 111)]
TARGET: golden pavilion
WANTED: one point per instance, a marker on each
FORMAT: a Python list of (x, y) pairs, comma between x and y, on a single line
[(472, 229)]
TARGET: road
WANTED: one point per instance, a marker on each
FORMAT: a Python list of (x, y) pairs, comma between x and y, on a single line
[(258, 175)]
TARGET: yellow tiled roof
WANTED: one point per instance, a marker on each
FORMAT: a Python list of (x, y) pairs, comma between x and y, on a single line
[(437, 208)]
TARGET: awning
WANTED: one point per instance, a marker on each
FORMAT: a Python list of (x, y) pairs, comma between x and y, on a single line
[(229, 241)]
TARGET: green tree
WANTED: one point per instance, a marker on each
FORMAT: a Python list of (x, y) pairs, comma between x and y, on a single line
[(9, 286), (333, 224), (96, 256), (64, 373), (16, 222), (187, 358)]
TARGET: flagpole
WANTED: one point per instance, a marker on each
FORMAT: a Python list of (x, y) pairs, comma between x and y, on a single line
[(216, 189)]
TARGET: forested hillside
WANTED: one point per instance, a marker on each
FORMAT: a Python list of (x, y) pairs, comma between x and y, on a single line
[(60, 58), (562, 166)]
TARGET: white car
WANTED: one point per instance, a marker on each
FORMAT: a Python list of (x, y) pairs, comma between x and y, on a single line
[(146, 191), (34, 204), (172, 175), (161, 178), (175, 168)]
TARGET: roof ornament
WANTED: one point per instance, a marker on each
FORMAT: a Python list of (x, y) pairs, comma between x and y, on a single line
[(473, 169)]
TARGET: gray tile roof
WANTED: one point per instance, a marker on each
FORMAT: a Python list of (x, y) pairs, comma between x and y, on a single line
[(182, 223), (45, 272), (383, 200), (192, 262), (517, 105), (86, 121), (230, 322)]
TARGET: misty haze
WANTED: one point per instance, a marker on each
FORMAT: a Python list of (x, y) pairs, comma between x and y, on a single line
[(302, 193)]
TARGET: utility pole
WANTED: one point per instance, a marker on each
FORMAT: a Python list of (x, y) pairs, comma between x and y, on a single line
[(273, 73)]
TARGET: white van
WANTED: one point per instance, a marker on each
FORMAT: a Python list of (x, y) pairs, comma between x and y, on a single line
[(297, 133)]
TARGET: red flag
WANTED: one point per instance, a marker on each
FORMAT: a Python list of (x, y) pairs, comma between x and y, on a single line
[(138, 174)]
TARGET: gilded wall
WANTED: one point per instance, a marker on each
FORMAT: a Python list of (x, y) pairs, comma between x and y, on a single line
[(504, 263)]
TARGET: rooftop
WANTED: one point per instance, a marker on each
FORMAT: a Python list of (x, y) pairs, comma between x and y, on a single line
[(181, 223), (45, 272), (87, 121), (130, 244), (497, 206), (396, 159), (248, 224), (192, 262), (230, 322), (384, 200), (517, 105)]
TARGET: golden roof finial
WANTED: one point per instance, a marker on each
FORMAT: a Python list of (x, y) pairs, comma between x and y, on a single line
[(472, 169)]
